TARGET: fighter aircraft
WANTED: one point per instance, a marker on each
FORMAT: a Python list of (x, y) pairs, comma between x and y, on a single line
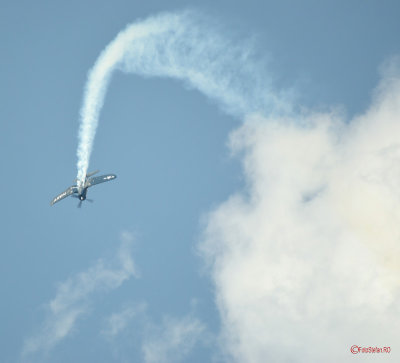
[(79, 191)]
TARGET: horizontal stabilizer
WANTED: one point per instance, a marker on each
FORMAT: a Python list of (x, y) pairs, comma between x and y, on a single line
[(92, 173)]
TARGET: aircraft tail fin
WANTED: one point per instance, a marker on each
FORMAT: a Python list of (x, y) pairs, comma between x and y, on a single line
[(87, 175)]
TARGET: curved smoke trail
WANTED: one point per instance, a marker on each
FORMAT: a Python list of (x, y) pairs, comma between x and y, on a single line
[(308, 252), (182, 46)]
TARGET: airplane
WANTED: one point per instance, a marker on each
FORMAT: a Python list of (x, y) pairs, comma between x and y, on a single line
[(79, 192)]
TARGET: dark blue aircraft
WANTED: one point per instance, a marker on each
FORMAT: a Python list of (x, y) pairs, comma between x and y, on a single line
[(79, 191)]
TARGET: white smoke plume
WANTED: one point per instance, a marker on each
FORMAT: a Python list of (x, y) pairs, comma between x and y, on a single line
[(183, 46), (305, 258)]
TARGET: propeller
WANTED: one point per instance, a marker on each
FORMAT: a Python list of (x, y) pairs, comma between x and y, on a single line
[(80, 202)]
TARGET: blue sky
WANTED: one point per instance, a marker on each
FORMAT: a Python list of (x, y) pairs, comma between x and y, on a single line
[(200, 249)]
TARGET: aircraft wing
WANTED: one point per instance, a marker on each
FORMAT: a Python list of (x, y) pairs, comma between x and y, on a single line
[(100, 179), (66, 193)]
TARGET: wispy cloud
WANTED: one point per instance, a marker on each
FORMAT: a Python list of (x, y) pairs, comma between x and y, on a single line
[(73, 298), (173, 340), (119, 321), (305, 258)]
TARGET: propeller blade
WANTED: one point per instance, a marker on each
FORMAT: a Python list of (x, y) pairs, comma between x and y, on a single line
[(89, 200), (80, 204)]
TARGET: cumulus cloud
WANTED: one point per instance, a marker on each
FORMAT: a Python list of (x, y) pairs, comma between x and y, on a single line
[(305, 258), (74, 295)]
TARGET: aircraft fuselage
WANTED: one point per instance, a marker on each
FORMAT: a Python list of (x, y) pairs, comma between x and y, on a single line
[(82, 195)]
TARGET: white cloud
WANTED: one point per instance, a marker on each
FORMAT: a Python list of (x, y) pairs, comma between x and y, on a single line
[(305, 259), (173, 340), (73, 297), (119, 321)]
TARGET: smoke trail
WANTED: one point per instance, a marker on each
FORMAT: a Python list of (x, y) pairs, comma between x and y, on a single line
[(183, 46)]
